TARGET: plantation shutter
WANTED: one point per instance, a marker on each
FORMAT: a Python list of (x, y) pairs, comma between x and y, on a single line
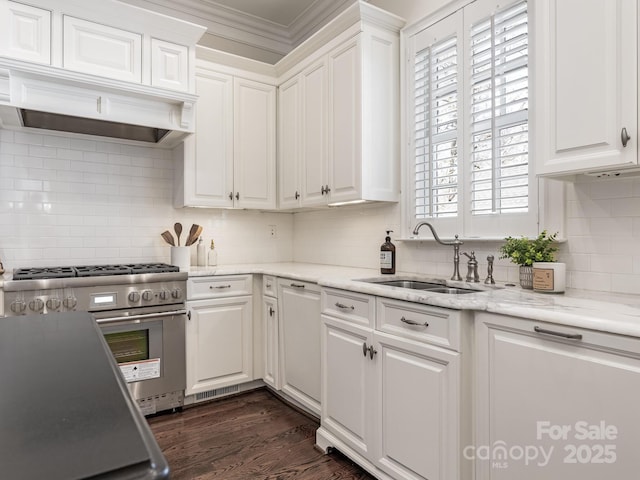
[(499, 137), (436, 108)]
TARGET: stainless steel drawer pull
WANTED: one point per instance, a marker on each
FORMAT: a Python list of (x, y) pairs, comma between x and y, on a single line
[(219, 286), (345, 307), (571, 336), (297, 285), (413, 322)]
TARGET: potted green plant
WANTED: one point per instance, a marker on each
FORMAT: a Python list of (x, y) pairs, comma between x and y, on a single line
[(524, 252)]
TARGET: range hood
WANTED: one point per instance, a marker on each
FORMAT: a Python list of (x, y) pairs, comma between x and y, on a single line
[(36, 97)]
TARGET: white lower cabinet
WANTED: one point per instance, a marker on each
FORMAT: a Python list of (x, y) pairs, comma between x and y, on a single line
[(299, 342), (555, 402), (270, 332), (348, 388), (219, 333), (418, 409), (392, 402)]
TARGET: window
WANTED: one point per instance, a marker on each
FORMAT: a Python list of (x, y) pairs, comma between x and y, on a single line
[(469, 84)]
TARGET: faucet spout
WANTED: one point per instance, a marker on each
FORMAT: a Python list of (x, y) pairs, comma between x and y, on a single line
[(456, 248)]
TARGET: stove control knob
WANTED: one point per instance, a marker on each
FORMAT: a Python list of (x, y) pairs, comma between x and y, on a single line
[(53, 303), (70, 302), (164, 294), (134, 297), (18, 306), (36, 305), (176, 293), (147, 295)]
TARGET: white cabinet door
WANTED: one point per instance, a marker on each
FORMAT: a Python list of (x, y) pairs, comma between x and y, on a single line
[(169, 65), (270, 341), (208, 154), (557, 396), (25, 32), (418, 410), (97, 49), (254, 144), (348, 392), (586, 83), (219, 343), (299, 305), (289, 140), (345, 122), (314, 134)]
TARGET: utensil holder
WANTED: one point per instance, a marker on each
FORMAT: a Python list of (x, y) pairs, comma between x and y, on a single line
[(181, 258)]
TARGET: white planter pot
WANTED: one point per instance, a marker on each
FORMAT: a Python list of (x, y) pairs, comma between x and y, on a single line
[(549, 277)]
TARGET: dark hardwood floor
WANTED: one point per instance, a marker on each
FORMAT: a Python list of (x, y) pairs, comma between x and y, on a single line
[(253, 435)]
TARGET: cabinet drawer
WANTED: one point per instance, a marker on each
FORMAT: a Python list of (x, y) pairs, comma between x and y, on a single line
[(269, 287), (354, 307), (218, 286), (438, 326)]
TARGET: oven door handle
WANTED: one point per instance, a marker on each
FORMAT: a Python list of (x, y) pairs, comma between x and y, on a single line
[(143, 316)]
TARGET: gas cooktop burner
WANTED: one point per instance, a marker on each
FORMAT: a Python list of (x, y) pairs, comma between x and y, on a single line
[(44, 272), (91, 271)]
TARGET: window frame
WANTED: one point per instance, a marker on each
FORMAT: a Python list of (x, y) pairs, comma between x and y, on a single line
[(466, 225)]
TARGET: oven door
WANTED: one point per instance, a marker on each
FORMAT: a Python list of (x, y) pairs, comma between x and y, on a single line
[(149, 347)]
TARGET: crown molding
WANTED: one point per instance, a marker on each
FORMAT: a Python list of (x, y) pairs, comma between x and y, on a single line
[(228, 23)]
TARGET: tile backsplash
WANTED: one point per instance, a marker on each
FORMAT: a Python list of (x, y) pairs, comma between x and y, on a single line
[(65, 200), (73, 201)]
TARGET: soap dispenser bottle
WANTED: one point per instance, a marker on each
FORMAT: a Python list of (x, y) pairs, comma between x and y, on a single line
[(388, 255), (212, 260), (201, 256)]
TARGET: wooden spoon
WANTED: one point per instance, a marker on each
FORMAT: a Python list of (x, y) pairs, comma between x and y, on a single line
[(178, 228), (192, 232), (168, 238)]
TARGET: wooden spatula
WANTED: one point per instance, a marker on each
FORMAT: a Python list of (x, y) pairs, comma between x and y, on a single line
[(168, 238)]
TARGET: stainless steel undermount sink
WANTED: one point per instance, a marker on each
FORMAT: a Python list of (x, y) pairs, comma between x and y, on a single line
[(419, 285)]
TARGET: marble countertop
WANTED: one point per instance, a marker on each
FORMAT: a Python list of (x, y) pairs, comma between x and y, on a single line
[(609, 312)]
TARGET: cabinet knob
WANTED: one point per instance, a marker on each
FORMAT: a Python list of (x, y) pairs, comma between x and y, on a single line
[(230, 195), (189, 314), (624, 136), (297, 195), (372, 352), (271, 311), (237, 195), (364, 349)]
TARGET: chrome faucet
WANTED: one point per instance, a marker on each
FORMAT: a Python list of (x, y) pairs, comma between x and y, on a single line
[(472, 267), (456, 248)]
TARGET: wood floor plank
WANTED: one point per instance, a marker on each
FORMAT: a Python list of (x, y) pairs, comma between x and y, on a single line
[(253, 435)]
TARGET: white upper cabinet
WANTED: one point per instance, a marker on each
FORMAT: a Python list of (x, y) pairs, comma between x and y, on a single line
[(207, 174), (341, 102), (254, 144), (230, 162), (108, 39), (25, 32), (586, 85)]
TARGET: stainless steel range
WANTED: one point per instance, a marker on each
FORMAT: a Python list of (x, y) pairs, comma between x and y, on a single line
[(139, 308)]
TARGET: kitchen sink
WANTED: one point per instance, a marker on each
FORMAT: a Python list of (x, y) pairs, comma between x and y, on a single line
[(419, 285)]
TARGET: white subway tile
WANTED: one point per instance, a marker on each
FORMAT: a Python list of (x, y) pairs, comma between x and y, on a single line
[(84, 145), (56, 141), (44, 152), (28, 138)]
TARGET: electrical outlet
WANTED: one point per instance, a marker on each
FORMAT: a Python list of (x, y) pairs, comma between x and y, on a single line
[(273, 231)]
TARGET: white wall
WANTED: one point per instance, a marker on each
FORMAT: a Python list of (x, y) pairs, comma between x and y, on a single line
[(68, 201)]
